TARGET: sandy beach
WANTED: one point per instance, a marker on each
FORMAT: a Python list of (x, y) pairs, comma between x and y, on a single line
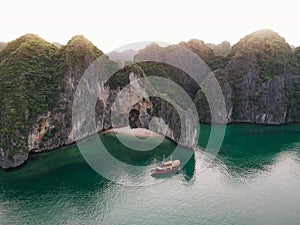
[(136, 132)]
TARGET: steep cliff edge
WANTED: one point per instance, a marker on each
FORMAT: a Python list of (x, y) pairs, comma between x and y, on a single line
[(38, 82), (262, 74), (76, 57), (29, 80), (260, 81)]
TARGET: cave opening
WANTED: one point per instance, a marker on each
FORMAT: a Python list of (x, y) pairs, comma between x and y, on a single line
[(134, 118)]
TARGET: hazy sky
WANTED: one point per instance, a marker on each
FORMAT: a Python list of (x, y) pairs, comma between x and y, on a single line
[(110, 24)]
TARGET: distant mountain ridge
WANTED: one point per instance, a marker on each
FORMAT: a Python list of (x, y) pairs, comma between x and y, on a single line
[(2, 45), (259, 77), (121, 58)]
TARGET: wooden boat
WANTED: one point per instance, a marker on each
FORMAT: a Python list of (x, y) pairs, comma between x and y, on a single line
[(166, 167)]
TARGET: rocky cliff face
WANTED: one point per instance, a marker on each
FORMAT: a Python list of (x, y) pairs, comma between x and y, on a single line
[(155, 113), (29, 78), (56, 126), (260, 82), (259, 79), (261, 74), (35, 114), (51, 127)]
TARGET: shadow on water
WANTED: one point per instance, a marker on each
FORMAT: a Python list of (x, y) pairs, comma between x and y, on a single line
[(189, 169), (66, 167), (249, 149)]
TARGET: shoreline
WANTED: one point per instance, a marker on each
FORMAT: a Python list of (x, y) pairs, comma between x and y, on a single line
[(137, 132)]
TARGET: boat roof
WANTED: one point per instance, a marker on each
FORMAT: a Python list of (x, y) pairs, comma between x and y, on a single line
[(168, 163)]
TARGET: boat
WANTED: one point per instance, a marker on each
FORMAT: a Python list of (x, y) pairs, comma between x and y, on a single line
[(166, 167)]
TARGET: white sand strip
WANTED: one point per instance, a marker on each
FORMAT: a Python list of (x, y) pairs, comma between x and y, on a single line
[(136, 132)]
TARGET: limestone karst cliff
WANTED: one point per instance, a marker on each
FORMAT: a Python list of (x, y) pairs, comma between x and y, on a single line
[(259, 77)]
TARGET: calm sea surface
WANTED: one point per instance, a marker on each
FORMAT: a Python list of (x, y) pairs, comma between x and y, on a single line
[(255, 179)]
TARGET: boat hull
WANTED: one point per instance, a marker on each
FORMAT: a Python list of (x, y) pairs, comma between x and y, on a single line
[(160, 172)]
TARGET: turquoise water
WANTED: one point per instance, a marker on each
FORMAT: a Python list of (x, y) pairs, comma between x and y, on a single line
[(255, 179)]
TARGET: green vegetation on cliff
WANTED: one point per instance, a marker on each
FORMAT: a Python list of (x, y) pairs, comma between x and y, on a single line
[(266, 50), (78, 51), (76, 56), (30, 75), (260, 73), (33, 75), (214, 56)]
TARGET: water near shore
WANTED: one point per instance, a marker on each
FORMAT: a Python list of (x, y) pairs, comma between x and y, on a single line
[(255, 179)]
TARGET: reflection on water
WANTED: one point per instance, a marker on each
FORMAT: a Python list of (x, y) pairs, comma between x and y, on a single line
[(253, 180), (250, 149)]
